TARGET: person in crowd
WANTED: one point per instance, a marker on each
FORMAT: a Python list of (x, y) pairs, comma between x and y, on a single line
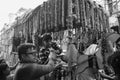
[(46, 40), (45, 51), (5, 69), (29, 69), (88, 68), (102, 55), (114, 62), (47, 44), (115, 37), (70, 57), (71, 48)]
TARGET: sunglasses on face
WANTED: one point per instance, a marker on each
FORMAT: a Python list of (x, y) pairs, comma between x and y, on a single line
[(31, 50), (33, 54)]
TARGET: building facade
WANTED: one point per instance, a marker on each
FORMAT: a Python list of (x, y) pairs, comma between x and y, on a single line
[(6, 42)]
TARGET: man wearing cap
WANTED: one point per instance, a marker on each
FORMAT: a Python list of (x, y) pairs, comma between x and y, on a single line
[(28, 69)]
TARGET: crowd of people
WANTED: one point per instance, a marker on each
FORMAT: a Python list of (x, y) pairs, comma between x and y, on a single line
[(86, 66)]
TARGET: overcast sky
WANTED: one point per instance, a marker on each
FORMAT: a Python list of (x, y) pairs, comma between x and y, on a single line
[(12, 6)]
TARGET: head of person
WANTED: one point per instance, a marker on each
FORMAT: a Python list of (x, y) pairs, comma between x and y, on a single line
[(115, 28), (27, 52), (4, 68), (46, 39)]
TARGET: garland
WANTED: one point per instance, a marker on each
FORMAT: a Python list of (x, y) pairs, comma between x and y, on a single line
[(104, 48)]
